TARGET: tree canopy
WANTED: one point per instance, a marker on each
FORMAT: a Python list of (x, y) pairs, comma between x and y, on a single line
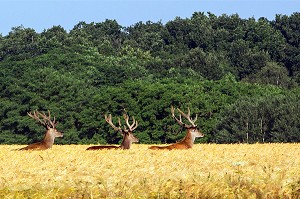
[(241, 76)]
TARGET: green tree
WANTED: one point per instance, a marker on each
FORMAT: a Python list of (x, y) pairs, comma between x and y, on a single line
[(207, 64), (201, 34), (20, 43), (177, 37), (146, 36), (52, 38), (245, 60), (273, 74), (289, 28), (260, 119), (261, 34)]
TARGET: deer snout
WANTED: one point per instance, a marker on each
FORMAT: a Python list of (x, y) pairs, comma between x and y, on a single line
[(197, 133), (59, 134), (201, 134), (134, 139)]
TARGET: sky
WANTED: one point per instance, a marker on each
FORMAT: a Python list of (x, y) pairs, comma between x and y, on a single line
[(44, 14)]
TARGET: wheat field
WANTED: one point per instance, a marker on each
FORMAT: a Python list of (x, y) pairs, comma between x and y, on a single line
[(206, 171)]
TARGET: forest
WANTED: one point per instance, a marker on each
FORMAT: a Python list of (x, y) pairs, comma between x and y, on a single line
[(241, 76)]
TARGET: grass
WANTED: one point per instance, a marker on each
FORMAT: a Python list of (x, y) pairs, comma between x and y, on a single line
[(206, 171)]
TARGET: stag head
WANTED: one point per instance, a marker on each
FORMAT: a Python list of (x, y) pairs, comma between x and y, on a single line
[(124, 131), (192, 127), (45, 121)]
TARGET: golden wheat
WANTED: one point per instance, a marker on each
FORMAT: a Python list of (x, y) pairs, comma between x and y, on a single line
[(206, 171)]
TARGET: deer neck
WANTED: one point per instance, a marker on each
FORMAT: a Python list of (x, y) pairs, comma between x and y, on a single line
[(189, 139), (125, 143), (49, 139)]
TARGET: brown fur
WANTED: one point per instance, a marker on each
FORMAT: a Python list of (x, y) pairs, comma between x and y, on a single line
[(35, 146), (103, 147)]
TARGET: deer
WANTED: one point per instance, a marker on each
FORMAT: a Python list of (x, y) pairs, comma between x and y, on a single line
[(192, 132), (51, 131), (128, 137)]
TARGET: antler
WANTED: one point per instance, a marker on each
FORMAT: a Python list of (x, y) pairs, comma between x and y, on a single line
[(131, 127), (178, 120), (109, 121), (134, 124), (46, 122), (187, 116)]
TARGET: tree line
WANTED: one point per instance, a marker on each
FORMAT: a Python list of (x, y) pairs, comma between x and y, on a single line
[(241, 76)]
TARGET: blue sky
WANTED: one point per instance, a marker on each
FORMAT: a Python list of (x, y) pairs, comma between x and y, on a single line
[(43, 14)]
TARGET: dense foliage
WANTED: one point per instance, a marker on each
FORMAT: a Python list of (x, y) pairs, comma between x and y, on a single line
[(241, 76)]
